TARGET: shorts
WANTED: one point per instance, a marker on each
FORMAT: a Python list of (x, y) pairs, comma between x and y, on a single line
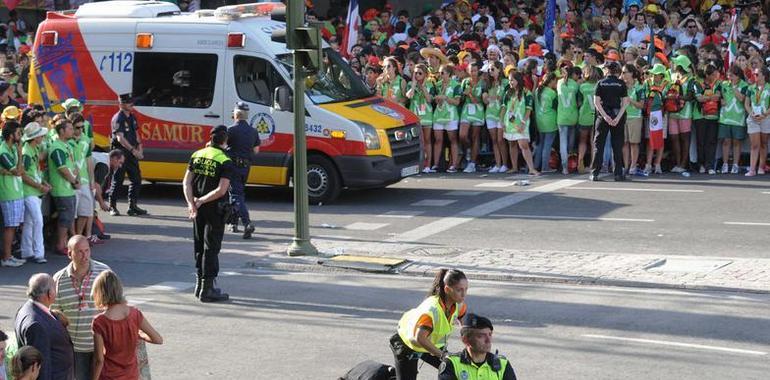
[(677, 126), (85, 201), (13, 212), (754, 127), (472, 123), (516, 136), (633, 131), (65, 206), (493, 124), (448, 126), (584, 127), (732, 132)]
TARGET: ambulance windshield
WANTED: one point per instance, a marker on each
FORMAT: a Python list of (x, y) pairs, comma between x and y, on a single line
[(337, 82)]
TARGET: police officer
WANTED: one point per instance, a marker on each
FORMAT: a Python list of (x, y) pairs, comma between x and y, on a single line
[(126, 138), (611, 100), (476, 362), (244, 142), (206, 181)]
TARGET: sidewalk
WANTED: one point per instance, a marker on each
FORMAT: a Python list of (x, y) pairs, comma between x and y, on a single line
[(609, 269)]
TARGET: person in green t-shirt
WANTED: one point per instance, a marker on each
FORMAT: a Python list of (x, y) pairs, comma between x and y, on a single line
[(567, 112), (757, 105), (732, 117), (420, 95), (493, 98), (546, 105), (64, 177), (655, 89), (706, 129), (472, 115), (11, 192), (587, 111), (32, 247), (680, 123), (391, 85), (633, 132), (446, 117), (81, 146), (515, 113)]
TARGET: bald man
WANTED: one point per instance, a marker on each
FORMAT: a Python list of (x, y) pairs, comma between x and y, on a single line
[(37, 327)]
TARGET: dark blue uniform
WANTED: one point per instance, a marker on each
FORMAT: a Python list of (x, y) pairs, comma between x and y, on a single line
[(242, 139), (125, 124)]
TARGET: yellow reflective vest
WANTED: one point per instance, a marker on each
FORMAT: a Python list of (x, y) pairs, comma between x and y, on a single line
[(442, 326), (467, 370)]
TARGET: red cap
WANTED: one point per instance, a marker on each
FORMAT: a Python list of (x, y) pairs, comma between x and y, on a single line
[(534, 50)]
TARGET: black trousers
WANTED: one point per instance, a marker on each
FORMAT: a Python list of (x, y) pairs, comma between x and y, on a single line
[(208, 231), (706, 132), (617, 138), (130, 167), (406, 359)]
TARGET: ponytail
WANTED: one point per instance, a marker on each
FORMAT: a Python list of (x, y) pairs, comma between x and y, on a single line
[(443, 278), (24, 359)]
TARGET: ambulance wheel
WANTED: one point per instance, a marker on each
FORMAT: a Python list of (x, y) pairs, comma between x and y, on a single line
[(323, 181)]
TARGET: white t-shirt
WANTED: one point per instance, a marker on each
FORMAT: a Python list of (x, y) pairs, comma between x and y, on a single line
[(636, 36), (684, 39), (490, 23)]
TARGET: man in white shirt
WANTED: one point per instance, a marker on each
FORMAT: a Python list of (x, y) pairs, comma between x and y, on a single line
[(490, 23), (639, 32), (691, 35)]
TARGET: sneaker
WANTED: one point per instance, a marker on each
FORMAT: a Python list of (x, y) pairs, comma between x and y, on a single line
[(712, 172), (104, 236), (648, 168), (38, 260), (605, 169), (503, 169), (247, 231), (451, 169), (234, 228), (702, 169), (94, 240), (565, 171), (750, 173), (725, 168), (114, 211), (736, 169), (12, 263), (136, 211), (761, 171), (632, 171), (470, 168), (646, 172), (677, 169), (494, 169), (658, 169), (427, 170)]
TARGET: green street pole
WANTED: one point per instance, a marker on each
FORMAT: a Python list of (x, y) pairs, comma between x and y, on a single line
[(300, 244)]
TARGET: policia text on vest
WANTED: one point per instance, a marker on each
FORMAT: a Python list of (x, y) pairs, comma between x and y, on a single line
[(205, 185)]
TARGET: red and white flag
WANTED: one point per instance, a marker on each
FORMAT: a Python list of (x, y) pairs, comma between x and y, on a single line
[(733, 44), (352, 26)]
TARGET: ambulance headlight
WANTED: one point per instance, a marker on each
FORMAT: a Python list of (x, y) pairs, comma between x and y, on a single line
[(371, 139)]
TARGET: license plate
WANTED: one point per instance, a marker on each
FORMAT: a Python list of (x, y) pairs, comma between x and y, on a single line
[(410, 170)]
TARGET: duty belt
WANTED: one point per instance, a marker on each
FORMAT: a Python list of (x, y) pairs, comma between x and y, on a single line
[(242, 162)]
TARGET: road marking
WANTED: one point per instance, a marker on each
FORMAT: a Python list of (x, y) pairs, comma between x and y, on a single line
[(559, 217), (462, 193), (334, 237), (484, 209), (677, 344), (361, 226), (766, 192), (400, 214), (170, 286), (746, 224), (638, 189), (434, 202), (496, 184)]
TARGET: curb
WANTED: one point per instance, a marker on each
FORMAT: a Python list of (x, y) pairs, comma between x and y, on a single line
[(523, 279)]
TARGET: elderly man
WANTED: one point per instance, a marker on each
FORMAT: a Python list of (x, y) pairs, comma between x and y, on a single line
[(73, 286), (37, 327), (476, 361)]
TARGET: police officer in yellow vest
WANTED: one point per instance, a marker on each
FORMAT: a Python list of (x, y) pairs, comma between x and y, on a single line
[(476, 362), (205, 185), (424, 330)]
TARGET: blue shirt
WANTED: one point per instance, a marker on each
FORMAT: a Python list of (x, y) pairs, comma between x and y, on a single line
[(125, 125), (241, 140)]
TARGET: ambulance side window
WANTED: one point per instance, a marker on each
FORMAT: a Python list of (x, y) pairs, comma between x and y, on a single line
[(255, 79), (180, 80)]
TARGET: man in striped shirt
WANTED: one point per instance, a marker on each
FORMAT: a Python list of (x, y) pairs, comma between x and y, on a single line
[(73, 285)]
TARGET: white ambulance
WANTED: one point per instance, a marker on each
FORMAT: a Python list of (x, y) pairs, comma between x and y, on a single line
[(187, 70)]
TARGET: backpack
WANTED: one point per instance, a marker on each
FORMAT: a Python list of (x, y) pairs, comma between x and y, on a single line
[(674, 102)]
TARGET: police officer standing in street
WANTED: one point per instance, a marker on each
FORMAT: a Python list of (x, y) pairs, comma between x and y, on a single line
[(243, 144), (206, 182), (476, 361), (126, 138), (611, 100)]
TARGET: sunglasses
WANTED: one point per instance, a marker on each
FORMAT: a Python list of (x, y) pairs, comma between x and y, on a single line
[(466, 23)]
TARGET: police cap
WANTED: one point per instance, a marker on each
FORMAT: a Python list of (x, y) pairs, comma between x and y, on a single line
[(473, 321), (218, 129), (241, 106), (126, 98)]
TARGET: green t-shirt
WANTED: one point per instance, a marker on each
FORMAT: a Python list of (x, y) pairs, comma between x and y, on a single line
[(759, 98), (732, 111), (655, 93), (696, 109), (635, 93), (10, 185), (516, 120), (473, 107), (30, 156), (81, 149), (567, 112), (419, 104), (396, 87), (687, 85), (494, 106), (444, 111), (546, 105), (60, 155), (587, 109)]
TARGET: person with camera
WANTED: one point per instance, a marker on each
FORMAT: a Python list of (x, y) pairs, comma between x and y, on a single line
[(206, 182)]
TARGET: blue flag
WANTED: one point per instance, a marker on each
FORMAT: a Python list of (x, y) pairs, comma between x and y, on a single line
[(550, 19)]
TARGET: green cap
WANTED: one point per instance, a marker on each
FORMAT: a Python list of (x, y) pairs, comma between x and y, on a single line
[(658, 69), (72, 102), (683, 61)]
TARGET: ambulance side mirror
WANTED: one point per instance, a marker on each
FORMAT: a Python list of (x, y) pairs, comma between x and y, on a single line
[(283, 99)]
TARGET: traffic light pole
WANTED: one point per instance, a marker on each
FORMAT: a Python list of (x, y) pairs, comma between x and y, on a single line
[(300, 244)]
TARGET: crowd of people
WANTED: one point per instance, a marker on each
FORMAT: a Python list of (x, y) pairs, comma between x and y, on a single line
[(480, 76)]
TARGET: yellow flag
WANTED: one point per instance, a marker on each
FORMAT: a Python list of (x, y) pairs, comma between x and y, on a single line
[(521, 49)]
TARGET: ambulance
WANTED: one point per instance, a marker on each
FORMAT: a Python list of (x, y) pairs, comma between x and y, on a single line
[(187, 70)]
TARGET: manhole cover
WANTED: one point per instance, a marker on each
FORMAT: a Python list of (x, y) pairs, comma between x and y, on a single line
[(686, 265)]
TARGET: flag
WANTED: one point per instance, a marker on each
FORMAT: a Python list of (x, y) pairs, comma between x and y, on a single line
[(733, 40), (550, 19), (352, 26), (11, 4), (651, 46), (521, 50)]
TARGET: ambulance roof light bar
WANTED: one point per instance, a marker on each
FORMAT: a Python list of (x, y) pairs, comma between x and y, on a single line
[(234, 12)]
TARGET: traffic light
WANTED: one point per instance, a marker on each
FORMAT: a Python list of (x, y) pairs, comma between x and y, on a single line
[(309, 48)]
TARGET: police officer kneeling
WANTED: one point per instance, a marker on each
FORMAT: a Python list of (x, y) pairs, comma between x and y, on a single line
[(476, 362), (205, 185)]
